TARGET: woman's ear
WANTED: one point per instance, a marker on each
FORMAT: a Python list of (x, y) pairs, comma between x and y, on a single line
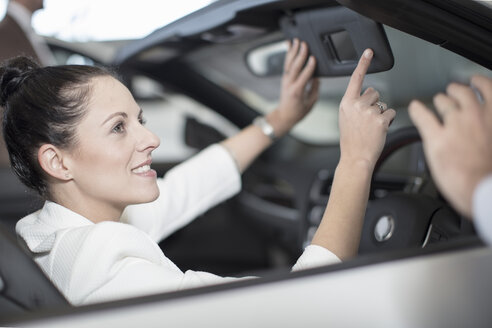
[(51, 160)]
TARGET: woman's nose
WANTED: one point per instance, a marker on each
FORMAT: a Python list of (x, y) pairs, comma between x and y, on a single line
[(148, 140)]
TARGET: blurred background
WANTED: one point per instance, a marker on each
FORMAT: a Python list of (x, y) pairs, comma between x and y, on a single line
[(103, 20)]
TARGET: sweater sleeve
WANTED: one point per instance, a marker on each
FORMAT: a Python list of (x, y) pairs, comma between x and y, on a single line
[(110, 261), (137, 276), (187, 191), (315, 256)]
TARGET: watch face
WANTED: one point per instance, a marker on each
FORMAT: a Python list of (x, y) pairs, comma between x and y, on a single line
[(265, 127)]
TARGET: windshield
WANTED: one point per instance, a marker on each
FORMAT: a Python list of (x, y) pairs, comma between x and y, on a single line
[(421, 69)]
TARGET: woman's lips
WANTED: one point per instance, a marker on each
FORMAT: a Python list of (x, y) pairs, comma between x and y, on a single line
[(144, 170)]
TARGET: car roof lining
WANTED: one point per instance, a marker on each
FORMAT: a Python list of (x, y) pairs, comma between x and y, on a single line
[(470, 34), (214, 22)]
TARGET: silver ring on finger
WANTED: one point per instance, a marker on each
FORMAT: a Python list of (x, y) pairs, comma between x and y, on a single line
[(382, 106)]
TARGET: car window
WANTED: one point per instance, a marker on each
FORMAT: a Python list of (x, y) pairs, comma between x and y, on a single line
[(421, 69)]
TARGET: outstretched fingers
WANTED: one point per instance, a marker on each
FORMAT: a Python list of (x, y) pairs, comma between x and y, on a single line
[(463, 95), (296, 65), (446, 106), (425, 121), (299, 70), (484, 86), (313, 92), (291, 54), (307, 72)]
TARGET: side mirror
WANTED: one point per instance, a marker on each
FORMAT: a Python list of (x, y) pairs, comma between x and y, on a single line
[(336, 36)]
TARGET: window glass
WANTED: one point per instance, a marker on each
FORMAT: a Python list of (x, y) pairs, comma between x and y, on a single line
[(421, 69)]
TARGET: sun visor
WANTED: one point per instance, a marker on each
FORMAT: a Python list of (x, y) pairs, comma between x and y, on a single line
[(337, 37)]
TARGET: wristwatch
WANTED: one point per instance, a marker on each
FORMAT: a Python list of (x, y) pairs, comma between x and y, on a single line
[(266, 128)]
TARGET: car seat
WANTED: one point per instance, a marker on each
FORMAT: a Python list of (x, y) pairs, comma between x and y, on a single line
[(23, 285)]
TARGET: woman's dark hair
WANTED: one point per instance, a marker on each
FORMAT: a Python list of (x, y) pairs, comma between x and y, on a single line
[(42, 105)]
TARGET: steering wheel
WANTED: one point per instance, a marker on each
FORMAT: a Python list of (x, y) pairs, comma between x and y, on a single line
[(407, 218), (400, 213)]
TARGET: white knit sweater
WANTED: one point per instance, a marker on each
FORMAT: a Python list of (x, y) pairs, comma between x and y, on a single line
[(106, 261)]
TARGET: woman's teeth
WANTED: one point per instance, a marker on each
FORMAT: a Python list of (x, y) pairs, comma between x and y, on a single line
[(141, 169)]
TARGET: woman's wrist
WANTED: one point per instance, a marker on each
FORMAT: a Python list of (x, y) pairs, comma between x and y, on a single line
[(281, 125), (357, 166), (267, 129)]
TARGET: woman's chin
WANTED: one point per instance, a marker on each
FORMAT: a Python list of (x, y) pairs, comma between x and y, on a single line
[(155, 196), (147, 197)]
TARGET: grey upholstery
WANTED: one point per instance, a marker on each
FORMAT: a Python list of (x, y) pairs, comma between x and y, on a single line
[(23, 287)]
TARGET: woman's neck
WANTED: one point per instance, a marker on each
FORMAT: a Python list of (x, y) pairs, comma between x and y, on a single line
[(92, 209)]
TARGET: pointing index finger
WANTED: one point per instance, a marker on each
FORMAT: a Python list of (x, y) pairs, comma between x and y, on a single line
[(354, 87)]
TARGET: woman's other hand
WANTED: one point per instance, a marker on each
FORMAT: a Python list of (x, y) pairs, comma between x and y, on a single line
[(363, 122), (299, 90), (298, 95), (363, 119)]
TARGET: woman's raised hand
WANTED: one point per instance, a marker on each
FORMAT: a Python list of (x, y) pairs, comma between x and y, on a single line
[(298, 95), (363, 119), (299, 90), (363, 122)]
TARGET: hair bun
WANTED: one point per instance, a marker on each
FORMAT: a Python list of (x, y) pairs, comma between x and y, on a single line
[(12, 74)]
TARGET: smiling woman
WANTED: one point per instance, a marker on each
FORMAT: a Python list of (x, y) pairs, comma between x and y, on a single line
[(110, 138), (83, 146), (419, 267)]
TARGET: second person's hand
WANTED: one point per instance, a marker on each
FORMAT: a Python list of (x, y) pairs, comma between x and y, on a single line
[(458, 148)]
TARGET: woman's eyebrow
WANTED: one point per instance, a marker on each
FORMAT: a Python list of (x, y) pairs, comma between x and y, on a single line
[(113, 115)]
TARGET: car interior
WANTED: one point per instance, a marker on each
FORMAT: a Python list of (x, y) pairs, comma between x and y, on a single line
[(285, 191), (200, 80)]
